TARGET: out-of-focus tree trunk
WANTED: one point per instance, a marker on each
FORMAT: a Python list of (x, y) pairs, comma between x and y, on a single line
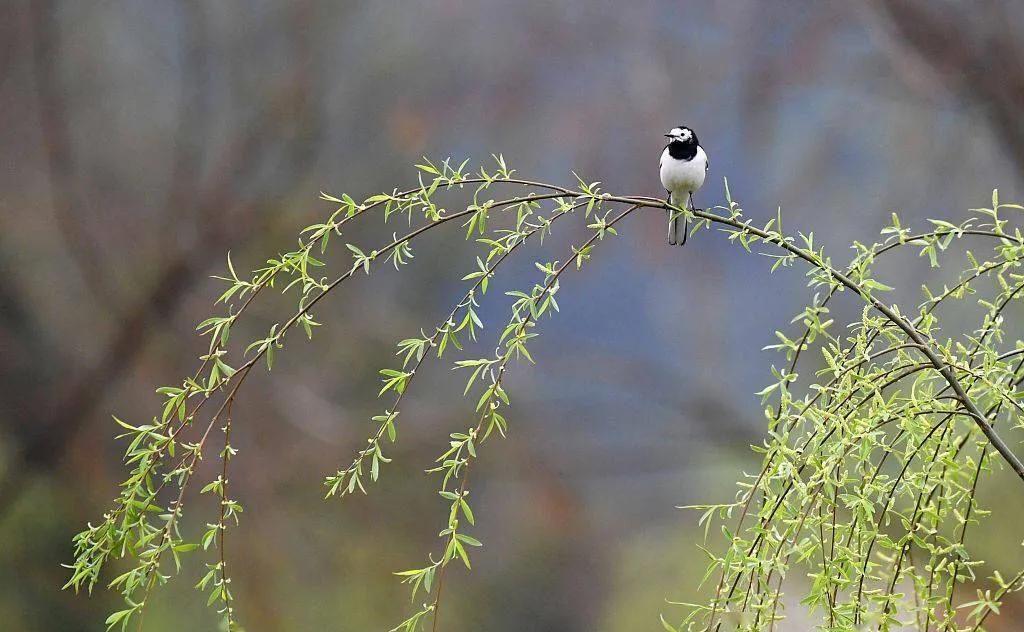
[(203, 200), (973, 49)]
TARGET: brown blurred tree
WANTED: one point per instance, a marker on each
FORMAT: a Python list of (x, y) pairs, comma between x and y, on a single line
[(203, 198), (971, 49)]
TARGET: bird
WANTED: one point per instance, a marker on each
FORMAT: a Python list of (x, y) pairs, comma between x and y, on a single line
[(683, 168)]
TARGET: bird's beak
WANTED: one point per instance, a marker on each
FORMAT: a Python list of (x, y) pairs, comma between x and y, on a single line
[(668, 135)]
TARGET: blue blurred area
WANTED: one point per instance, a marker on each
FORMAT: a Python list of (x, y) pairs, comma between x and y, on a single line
[(146, 139)]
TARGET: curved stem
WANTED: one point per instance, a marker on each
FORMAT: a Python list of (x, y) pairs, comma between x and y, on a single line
[(891, 314), (521, 327)]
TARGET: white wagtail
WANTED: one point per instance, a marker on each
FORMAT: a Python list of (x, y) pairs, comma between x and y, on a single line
[(683, 167)]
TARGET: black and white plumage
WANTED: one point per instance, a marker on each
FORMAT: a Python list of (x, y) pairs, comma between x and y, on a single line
[(683, 168)]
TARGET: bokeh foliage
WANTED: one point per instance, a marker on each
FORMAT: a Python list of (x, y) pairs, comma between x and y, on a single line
[(870, 476)]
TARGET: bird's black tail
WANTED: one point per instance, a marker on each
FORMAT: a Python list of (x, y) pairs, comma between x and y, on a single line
[(673, 224)]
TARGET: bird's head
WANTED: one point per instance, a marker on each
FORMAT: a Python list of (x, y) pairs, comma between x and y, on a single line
[(681, 134)]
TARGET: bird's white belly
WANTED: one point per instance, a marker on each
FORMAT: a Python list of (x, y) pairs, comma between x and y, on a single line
[(680, 176)]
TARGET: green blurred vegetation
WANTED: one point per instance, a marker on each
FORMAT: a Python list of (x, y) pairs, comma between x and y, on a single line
[(152, 137)]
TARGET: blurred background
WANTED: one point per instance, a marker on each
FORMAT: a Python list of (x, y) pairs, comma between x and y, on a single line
[(143, 140)]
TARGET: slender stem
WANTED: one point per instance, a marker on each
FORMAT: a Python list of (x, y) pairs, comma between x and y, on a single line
[(222, 526), (443, 328), (464, 474), (906, 326)]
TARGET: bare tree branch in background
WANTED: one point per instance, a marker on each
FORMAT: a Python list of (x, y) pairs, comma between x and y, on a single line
[(193, 116), (974, 50), (219, 220), (57, 147)]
